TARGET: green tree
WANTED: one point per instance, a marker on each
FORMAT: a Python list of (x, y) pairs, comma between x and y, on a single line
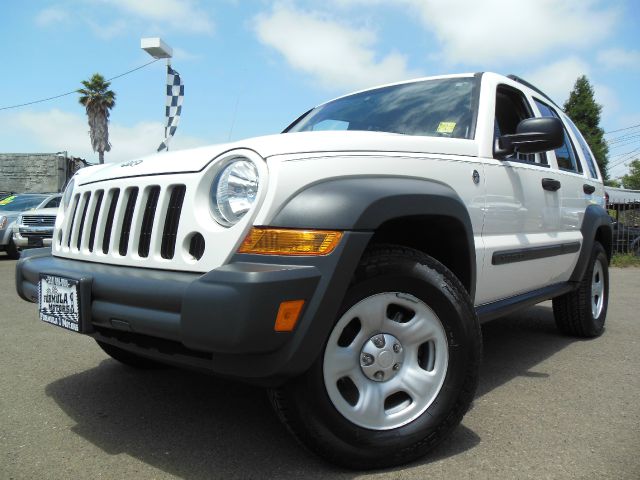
[(582, 108), (632, 179), (612, 182), (98, 101)]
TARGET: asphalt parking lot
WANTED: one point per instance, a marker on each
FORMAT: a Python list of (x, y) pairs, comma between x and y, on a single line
[(548, 406)]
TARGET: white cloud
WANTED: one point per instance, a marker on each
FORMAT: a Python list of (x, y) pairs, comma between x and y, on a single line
[(51, 16), (336, 54), (183, 55), (105, 30), (181, 15), (619, 58), (492, 32), (55, 130)]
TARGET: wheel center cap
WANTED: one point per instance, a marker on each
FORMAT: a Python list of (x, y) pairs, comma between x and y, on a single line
[(381, 357), (385, 359)]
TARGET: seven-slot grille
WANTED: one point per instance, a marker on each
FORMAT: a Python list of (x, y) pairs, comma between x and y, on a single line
[(124, 221), (39, 220)]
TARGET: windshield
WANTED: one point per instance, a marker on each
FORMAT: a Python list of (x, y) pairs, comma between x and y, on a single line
[(18, 203), (434, 108)]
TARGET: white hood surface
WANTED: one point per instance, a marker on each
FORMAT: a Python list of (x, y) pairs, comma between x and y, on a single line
[(303, 143)]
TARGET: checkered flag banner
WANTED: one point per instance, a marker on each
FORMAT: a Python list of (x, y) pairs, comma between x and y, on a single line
[(175, 94)]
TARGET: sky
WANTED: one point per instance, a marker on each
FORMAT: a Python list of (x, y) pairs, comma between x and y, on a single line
[(250, 67)]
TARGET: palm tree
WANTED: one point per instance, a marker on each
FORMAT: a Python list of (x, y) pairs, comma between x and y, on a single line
[(98, 101)]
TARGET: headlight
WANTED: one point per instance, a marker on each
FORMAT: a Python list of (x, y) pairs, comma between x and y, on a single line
[(68, 192), (233, 191), (3, 222)]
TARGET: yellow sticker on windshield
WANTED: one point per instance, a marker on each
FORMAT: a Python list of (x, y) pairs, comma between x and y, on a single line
[(446, 127), (7, 200)]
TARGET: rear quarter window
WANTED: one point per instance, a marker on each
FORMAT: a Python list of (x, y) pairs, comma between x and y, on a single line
[(584, 147)]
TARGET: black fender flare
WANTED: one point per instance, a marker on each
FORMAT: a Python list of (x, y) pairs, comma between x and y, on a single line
[(364, 203), (596, 224)]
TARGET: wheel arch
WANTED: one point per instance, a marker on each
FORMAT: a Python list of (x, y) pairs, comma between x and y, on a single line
[(426, 215), (596, 227), (439, 236)]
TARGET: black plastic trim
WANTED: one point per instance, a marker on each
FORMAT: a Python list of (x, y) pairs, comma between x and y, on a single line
[(292, 124), (596, 219), (106, 239), (490, 311), (522, 81), (172, 221), (147, 221), (126, 221), (504, 257), (366, 202), (94, 221), (87, 197)]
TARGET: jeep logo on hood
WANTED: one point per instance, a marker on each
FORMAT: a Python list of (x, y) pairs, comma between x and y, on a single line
[(132, 163)]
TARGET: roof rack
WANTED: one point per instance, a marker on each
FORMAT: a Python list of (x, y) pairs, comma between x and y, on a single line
[(521, 80)]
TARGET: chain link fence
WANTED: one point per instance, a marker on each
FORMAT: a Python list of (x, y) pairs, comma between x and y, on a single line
[(624, 209)]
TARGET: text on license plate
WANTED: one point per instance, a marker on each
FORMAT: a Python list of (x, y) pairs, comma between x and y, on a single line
[(58, 300)]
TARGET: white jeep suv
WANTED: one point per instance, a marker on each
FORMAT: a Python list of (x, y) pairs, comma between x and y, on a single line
[(346, 263)]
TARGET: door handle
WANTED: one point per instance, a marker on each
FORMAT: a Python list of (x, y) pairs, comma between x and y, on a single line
[(550, 184), (588, 189)]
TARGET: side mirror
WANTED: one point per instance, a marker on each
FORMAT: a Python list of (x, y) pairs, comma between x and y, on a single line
[(533, 135)]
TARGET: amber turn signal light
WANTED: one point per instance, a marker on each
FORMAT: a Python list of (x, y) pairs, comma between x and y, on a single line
[(278, 241), (288, 315)]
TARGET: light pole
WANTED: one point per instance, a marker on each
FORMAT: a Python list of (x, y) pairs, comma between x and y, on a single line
[(155, 47)]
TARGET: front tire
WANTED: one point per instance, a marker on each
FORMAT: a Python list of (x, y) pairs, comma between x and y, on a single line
[(582, 312), (398, 371), (12, 251)]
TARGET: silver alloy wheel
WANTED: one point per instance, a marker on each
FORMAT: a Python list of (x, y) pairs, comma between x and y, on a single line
[(597, 289), (385, 361)]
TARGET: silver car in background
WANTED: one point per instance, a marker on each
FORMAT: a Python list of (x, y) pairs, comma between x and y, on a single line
[(12, 207)]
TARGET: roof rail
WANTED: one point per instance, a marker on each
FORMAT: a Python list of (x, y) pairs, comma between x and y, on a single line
[(521, 80)]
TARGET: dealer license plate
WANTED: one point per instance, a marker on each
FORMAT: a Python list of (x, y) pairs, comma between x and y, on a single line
[(35, 242), (58, 300)]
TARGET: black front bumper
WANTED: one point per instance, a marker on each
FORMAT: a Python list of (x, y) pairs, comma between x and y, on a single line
[(221, 321)]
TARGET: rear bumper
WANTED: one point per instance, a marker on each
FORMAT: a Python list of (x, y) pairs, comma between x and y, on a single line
[(221, 321)]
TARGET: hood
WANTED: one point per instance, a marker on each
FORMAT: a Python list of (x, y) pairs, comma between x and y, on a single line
[(41, 211), (302, 143)]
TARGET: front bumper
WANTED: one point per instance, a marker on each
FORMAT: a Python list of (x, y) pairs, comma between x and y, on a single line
[(221, 321), (28, 237)]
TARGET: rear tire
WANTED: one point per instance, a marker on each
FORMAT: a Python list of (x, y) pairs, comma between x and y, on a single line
[(582, 312), (130, 359), (413, 390)]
